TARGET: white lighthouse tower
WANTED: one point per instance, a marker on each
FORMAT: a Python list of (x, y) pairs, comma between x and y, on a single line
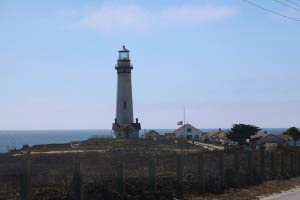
[(124, 126)]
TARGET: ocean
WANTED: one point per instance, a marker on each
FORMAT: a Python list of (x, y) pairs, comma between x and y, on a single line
[(16, 139)]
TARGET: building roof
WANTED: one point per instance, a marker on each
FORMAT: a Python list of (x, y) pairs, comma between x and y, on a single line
[(185, 126), (285, 137), (258, 136), (217, 133), (263, 135), (153, 133), (170, 134), (124, 49)]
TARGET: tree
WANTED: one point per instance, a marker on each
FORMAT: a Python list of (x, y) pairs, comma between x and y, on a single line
[(293, 132), (240, 132)]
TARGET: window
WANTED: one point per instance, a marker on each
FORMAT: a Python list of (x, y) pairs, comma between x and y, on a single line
[(189, 130), (125, 105), (124, 55)]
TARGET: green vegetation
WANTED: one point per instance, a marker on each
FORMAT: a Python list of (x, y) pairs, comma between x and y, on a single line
[(240, 132), (293, 132)]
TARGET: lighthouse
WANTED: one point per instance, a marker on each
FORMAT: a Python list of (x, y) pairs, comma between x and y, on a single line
[(124, 125)]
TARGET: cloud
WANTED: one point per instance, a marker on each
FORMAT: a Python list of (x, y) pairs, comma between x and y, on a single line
[(116, 17), (198, 13), (112, 17)]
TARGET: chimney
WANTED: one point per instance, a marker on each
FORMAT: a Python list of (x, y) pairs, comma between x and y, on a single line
[(136, 120), (116, 121)]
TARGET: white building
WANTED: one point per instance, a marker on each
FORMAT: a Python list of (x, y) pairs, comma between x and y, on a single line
[(189, 132)]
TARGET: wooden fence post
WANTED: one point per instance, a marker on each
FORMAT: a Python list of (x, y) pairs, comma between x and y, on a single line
[(179, 172), (220, 172), (152, 178), (25, 178), (298, 161), (76, 181), (282, 165), (201, 173), (237, 168), (120, 180), (273, 166), (291, 156), (262, 164), (250, 168)]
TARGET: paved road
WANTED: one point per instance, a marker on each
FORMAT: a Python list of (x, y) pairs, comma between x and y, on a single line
[(291, 196), (288, 196), (208, 146)]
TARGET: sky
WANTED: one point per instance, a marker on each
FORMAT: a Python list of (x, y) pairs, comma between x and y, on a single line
[(227, 61)]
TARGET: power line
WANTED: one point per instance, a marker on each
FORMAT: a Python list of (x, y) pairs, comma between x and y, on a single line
[(292, 2), (285, 4), (271, 11)]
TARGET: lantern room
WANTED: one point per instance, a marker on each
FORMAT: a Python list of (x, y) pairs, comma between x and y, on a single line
[(124, 54)]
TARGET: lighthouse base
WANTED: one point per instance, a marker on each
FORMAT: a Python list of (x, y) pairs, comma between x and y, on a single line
[(129, 131)]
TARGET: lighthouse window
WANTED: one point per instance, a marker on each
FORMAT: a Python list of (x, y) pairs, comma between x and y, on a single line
[(124, 56), (124, 105)]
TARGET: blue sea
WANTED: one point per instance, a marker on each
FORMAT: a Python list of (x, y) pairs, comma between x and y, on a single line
[(16, 139)]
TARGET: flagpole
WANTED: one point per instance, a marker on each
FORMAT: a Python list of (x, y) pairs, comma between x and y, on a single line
[(184, 114)]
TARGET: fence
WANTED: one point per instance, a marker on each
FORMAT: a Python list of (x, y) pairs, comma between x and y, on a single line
[(121, 175)]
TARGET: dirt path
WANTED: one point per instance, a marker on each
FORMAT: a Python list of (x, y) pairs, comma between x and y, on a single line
[(61, 152)]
